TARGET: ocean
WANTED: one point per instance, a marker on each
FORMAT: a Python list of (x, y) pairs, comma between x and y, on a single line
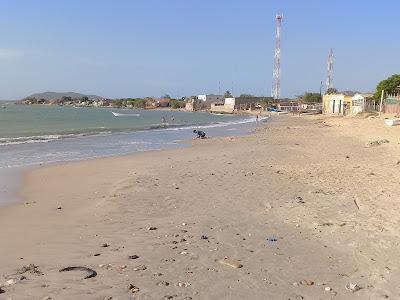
[(35, 135)]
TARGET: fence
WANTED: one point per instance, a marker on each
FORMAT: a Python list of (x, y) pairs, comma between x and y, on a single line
[(392, 106)]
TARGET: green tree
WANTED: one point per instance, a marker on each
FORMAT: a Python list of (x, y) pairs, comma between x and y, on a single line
[(246, 96), (312, 97), (391, 85), (139, 103), (66, 99), (166, 96), (117, 102), (331, 91), (175, 103), (228, 94)]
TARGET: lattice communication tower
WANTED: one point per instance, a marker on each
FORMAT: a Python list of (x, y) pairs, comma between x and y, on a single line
[(276, 85)]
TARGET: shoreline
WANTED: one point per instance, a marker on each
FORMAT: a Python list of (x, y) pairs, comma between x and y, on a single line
[(15, 175), (278, 201)]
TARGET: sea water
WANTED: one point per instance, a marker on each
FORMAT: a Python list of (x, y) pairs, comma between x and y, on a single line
[(34, 135)]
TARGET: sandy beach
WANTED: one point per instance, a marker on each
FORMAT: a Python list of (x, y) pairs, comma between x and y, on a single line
[(303, 208)]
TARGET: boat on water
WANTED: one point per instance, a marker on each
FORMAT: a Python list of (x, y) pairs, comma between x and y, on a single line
[(124, 115)]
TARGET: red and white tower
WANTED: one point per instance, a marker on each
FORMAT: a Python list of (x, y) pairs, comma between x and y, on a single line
[(329, 79), (276, 84)]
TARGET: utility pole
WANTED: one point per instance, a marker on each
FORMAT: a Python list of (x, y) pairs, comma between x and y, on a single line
[(276, 75), (320, 89), (380, 106)]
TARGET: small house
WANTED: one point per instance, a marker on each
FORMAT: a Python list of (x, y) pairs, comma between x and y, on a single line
[(337, 104)]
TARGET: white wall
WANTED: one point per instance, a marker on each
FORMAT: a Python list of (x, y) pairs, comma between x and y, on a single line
[(202, 97), (358, 102), (211, 98), (335, 104), (230, 102)]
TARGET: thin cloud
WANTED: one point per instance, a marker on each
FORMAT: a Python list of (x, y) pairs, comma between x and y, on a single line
[(10, 53)]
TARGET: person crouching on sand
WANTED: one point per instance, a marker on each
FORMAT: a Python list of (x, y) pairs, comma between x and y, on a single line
[(200, 134)]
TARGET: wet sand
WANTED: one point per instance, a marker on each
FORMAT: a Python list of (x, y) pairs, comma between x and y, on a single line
[(301, 209)]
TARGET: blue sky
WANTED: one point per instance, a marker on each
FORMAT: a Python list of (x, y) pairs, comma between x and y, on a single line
[(138, 48)]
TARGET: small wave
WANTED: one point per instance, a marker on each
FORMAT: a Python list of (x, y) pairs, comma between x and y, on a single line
[(8, 141), (161, 127)]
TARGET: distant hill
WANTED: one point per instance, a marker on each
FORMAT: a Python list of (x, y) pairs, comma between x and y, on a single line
[(56, 95)]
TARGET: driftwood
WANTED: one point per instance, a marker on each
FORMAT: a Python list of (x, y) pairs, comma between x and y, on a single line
[(90, 272), (355, 202)]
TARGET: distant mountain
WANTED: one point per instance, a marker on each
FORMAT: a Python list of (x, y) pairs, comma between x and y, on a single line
[(56, 95)]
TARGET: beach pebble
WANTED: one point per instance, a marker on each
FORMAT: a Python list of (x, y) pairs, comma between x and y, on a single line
[(2, 291), (46, 298), (105, 245), (10, 282), (59, 207), (106, 266), (163, 283), (132, 288), (307, 282), (268, 206), (140, 268), (133, 256), (230, 262), (204, 237), (328, 289), (354, 287), (152, 228), (183, 284)]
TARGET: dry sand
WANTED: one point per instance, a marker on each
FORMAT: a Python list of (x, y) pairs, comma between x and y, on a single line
[(297, 210)]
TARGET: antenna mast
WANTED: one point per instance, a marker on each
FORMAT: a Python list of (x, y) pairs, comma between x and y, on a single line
[(276, 85), (329, 79)]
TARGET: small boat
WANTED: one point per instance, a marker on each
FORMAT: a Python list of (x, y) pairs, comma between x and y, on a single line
[(124, 115), (392, 122)]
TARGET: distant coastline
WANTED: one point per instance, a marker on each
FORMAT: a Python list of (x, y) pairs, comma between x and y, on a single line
[(78, 100)]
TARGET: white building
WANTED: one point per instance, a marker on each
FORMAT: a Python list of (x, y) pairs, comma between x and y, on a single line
[(211, 98), (359, 102)]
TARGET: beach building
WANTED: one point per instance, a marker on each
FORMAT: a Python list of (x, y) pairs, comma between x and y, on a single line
[(360, 102), (211, 98), (234, 104), (289, 105), (227, 107), (163, 102), (205, 101), (337, 104), (343, 104), (192, 104)]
